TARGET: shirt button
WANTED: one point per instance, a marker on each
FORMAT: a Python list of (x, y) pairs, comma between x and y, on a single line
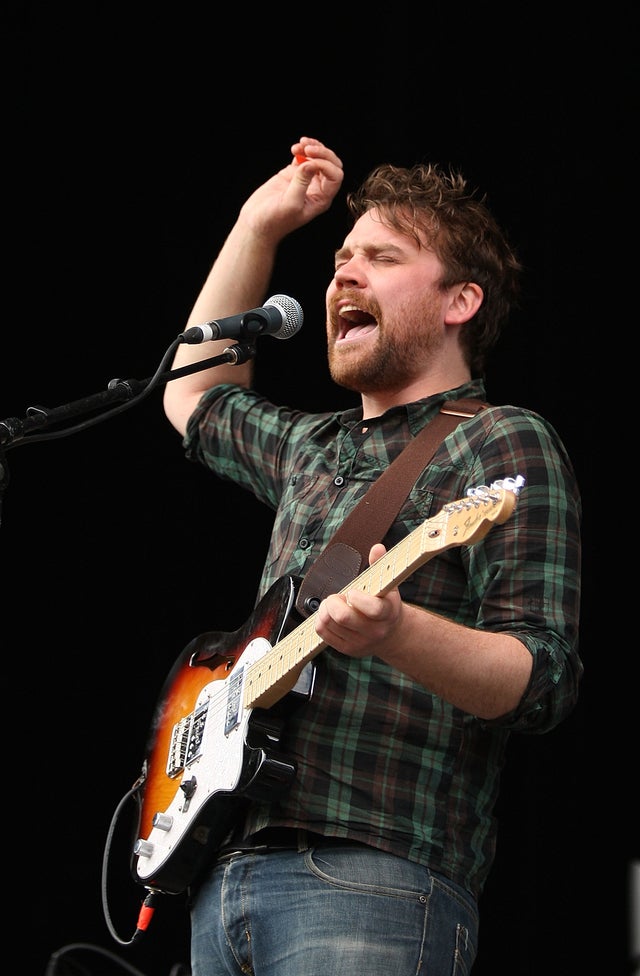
[(304, 543), (338, 481)]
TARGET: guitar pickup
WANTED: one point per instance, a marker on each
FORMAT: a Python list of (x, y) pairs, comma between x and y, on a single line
[(186, 740)]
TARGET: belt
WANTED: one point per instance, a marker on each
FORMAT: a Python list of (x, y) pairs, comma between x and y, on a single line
[(280, 839)]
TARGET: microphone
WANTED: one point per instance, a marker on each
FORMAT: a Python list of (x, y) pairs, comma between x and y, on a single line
[(280, 316)]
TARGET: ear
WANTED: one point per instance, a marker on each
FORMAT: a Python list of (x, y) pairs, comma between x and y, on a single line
[(464, 301)]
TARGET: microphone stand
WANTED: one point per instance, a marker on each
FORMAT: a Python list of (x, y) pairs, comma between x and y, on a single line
[(15, 432)]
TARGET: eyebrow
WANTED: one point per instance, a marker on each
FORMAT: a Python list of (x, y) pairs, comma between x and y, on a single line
[(344, 253)]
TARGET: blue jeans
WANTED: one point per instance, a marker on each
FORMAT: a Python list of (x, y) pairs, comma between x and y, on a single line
[(330, 909)]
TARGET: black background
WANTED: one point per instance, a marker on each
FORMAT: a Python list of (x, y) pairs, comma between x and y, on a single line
[(130, 141)]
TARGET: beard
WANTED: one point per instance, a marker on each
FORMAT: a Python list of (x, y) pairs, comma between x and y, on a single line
[(402, 349)]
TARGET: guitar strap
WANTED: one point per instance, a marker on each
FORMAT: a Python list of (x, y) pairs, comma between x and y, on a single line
[(348, 550)]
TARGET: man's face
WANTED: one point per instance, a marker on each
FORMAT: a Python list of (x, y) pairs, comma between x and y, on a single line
[(385, 310)]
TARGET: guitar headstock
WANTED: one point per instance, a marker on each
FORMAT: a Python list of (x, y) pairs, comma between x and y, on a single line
[(470, 518)]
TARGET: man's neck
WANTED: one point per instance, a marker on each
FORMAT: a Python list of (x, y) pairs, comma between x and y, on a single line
[(375, 404)]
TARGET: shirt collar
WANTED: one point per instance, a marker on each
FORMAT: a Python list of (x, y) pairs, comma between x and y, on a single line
[(419, 410)]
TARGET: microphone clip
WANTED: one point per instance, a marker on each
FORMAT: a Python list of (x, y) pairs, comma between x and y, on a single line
[(240, 353)]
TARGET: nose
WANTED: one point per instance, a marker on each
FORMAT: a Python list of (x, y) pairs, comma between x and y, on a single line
[(351, 272)]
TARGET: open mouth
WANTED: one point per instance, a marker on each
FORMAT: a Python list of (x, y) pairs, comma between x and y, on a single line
[(355, 323)]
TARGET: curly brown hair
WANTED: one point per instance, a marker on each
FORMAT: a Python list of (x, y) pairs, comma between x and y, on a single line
[(439, 209)]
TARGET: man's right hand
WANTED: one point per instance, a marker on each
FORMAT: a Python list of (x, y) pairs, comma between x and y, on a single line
[(296, 194)]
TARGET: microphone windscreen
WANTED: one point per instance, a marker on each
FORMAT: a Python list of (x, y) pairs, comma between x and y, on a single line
[(292, 315)]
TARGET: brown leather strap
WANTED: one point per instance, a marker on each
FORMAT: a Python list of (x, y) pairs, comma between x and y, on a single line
[(348, 550)]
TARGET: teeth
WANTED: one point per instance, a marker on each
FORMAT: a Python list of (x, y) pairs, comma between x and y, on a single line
[(349, 308)]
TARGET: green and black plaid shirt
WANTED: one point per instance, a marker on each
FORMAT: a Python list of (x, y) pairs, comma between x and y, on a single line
[(379, 758)]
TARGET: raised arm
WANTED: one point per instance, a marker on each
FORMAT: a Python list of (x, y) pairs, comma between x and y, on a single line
[(241, 273)]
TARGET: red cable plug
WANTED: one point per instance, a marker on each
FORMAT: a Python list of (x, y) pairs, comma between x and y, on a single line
[(145, 915)]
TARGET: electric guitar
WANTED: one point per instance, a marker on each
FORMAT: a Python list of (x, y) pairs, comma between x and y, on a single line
[(214, 741)]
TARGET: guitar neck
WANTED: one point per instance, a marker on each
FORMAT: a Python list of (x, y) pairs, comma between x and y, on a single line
[(459, 523)]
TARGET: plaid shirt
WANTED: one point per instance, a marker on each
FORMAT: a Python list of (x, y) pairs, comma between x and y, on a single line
[(379, 758)]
